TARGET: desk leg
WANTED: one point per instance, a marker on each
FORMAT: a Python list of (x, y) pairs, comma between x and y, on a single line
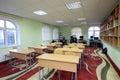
[(43, 73), (58, 75), (48, 70), (72, 76), (30, 59), (26, 63), (80, 64), (75, 75), (20, 65), (39, 73)]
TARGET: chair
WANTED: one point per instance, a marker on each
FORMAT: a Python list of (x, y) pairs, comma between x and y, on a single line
[(65, 46), (58, 51), (50, 49), (8, 54), (72, 45), (75, 47), (58, 44)]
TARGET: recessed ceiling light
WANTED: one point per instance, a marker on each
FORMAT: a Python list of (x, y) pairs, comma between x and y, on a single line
[(40, 12), (59, 21), (84, 22), (65, 24), (81, 19), (74, 5)]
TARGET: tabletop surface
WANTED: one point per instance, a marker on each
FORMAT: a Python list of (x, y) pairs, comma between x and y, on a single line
[(26, 51), (61, 58), (39, 47)]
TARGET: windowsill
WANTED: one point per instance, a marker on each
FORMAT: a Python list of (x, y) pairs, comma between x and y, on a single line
[(2, 47)]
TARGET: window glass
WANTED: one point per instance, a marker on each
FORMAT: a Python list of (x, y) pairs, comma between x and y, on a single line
[(96, 28), (55, 33), (94, 31), (9, 34), (46, 33), (2, 23), (11, 37), (90, 33), (10, 25), (97, 33), (77, 32), (1, 37), (91, 28)]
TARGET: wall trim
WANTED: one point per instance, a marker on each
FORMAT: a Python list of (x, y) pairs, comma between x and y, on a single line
[(113, 64)]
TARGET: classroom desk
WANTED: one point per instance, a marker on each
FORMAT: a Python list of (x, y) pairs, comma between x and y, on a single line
[(38, 49), (60, 62), (50, 47), (21, 54), (58, 44), (77, 51), (79, 46)]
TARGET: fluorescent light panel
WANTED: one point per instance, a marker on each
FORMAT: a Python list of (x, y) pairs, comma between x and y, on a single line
[(74, 5), (40, 12), (84, 22), (59, 21), (65, 24), (81, 19)]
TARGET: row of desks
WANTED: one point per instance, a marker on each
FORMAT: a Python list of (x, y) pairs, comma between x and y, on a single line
[(61, 62)]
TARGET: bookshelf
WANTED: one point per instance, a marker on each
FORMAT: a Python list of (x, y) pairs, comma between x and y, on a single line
[(110, 28)]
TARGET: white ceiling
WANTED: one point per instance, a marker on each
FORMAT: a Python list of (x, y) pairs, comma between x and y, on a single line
[(93, 10)]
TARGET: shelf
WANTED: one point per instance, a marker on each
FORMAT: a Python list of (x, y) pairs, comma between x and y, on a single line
[(110, 28)]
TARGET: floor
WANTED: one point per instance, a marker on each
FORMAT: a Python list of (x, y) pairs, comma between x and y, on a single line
[(103, 70)]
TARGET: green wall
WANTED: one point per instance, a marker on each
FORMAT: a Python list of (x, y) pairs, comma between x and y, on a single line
[(113, 52), (30, 32), (66, 31)]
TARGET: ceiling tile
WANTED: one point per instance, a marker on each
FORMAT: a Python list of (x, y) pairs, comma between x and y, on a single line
[(93, 10)]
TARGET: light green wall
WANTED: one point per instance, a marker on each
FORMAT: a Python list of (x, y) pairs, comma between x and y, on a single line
[(66, 32), (30, 32), (113, 52)]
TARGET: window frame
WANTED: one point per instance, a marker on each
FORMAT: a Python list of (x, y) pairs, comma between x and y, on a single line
[(73, 30), (44, 34), (5, 29), (94, 31), (55, 35)]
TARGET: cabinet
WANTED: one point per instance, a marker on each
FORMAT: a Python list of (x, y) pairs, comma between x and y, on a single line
[(110, 28)]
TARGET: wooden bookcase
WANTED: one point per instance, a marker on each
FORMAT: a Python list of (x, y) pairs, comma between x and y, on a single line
[(110, 28)]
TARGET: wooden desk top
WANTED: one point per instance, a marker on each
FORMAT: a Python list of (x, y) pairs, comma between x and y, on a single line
[(27, 51), (71, 50), (80, 46), (51, 45), (60, 58), (58, 43), (38, 47)]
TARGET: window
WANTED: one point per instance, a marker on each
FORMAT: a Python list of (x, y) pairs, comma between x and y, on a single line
[(55, 33), (8, 33), (46, 33), (76, 31), (94, 31)]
